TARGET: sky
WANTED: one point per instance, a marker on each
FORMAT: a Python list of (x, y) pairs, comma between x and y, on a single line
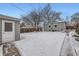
[(66, 9)]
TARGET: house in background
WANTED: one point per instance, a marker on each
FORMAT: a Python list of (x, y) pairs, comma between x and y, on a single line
[(26, 27), (9, 29), (58, 25), (25, 24), (55, 26)]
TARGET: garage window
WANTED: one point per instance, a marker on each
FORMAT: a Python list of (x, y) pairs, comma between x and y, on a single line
[(8, 27)]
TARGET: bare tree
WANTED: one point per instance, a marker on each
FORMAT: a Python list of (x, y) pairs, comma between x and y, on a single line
[(44, 14), (33, 18), (75, 17), (50, 15)]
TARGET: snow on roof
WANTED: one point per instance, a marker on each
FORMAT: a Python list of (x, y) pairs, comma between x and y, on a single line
[(21, 21), (59, 21)]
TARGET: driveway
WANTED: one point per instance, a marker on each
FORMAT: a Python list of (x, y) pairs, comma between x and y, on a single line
[(40, 43)]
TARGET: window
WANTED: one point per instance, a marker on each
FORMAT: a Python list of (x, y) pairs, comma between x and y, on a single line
[(55, 25), (49, 26), (49, 30), (8, 27)]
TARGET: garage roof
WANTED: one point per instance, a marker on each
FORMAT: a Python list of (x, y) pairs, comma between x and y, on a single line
[(4, 17)]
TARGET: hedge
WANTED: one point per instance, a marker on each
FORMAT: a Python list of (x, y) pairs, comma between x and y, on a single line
[(24, 30)]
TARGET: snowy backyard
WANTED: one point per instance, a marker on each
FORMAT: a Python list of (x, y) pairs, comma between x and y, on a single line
[(43, 44)]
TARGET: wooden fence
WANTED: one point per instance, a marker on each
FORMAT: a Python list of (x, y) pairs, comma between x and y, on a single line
[(24, 30)]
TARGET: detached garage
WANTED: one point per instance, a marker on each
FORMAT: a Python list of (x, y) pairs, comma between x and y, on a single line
[(9, 29)]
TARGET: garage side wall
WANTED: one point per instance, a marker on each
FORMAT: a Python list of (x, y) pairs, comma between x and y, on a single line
[(17, 31), (0, 31)]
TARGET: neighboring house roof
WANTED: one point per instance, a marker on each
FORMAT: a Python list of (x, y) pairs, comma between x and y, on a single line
[(59, 21), (8, 18), (26, 25)]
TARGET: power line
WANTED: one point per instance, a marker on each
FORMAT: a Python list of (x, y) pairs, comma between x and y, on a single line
[(18, 7)]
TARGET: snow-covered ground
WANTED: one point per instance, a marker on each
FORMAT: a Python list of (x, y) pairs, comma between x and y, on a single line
[(40, 43), (75, 43), (46, 44), (67, 46), (1, 50)]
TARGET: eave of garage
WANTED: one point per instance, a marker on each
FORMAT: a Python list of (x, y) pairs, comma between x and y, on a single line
[(4, 17)]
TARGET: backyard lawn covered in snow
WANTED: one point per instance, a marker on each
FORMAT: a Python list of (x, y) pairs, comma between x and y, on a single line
[(40, 43)]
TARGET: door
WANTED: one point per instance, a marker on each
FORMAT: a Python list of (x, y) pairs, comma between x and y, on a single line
[(8, 31)]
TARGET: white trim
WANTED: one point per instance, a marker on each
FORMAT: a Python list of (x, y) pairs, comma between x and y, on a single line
[(8, 36)]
